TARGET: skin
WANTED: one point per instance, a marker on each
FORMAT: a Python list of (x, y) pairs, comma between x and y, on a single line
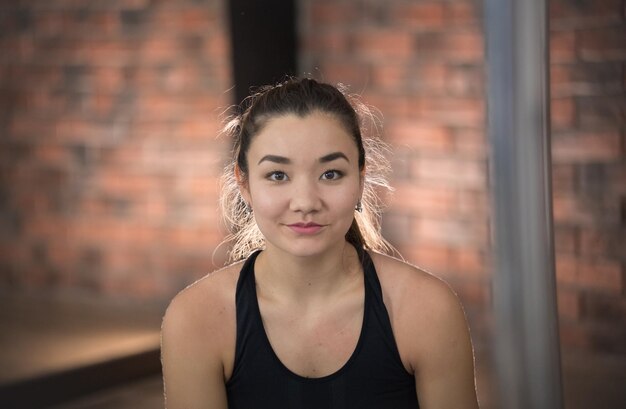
[(310, 286)]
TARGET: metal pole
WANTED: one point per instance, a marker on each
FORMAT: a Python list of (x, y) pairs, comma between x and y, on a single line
[(524, 290)]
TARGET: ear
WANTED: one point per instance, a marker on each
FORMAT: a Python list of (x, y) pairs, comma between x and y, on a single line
[(242, 183)]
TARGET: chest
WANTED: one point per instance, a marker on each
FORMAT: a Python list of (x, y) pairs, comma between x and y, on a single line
[(315, 342)]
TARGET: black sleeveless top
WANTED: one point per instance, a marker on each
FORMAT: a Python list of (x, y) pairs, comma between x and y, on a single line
[(373, 377)]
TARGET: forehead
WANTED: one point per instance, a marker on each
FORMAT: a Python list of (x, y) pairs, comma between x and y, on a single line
[(315, 134)]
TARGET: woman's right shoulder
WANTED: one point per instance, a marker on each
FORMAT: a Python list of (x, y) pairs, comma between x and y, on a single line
[(205, 305)]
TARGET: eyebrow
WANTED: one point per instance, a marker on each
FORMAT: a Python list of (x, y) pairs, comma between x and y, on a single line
[(275, 159), (332, 156), (285, 161)]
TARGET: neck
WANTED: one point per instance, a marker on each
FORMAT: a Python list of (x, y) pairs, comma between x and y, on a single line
[(284, 276)]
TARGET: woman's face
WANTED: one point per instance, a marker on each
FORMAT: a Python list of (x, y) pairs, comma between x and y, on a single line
[(303, 182)]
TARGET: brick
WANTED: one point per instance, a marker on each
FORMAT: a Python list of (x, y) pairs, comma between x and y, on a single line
[(452, 232), (53, 22), (566, 9), (606, 242), (562, 113), (107, 205), (471, 292), (601, 112), (429, 77), (101, 51), (565, 239), (566, 269), (451, 171), (560, 80), (215, 46), (397, 106), (471, 143), (573, 335), (346, 71), (563, 175), (595, 179), (51, 154), (600, 178), (462, 13), (605, 308), (467, 45), (396, 227), (195, 128), (587, 78), (181, 20), (607, 338), (328, 42), (192, 238), (331, 13), (587, 147), (470, 263), (420, 135), (401, 159), (584, 210), (465, 80), (601, 276), (419, 16), (569, 304), (601, 44), (127, 185), (389, 77), (432, 200), (454, 111), (472, 203), (17, 50), (381, 44), (428, 256), (562, 46)]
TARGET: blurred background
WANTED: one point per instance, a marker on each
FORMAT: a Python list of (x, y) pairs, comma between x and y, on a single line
[(110, 162)]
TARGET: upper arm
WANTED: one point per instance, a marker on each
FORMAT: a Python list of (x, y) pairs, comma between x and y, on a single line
[(443, 359), (431, 333), (193, 373)]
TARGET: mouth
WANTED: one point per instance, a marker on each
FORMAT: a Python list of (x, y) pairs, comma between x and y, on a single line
[(305, 228)]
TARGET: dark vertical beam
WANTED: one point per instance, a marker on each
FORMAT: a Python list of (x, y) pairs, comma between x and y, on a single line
[(264, 42), (526, 324)]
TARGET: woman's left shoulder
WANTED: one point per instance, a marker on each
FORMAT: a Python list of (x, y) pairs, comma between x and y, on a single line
[(431, 332), (423, 309), (410, 285)]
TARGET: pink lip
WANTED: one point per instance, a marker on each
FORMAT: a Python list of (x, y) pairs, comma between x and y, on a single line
[(305, 228)]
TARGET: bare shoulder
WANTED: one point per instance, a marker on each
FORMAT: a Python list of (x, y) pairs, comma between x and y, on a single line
[(424, 310), (200, 322), (198, 338), (206, 303), (407, 285)]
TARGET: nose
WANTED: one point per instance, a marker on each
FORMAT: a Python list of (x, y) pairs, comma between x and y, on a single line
[(305, 197)]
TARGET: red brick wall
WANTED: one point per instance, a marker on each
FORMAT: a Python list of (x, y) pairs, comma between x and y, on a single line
[(109, 162), (108, 152), (422, 64), (588, 45)]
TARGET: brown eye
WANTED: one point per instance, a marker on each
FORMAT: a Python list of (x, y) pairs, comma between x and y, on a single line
[(277, 176), (332, 175)]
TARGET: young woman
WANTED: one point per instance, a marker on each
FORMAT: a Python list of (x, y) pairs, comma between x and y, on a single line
[(315, 316)]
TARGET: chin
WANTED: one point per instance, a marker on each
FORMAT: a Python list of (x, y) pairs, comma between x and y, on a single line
[(306, 248)]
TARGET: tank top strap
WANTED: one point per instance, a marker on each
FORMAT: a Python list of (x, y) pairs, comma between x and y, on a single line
[(377, 308), (371, 278), (246, 311)]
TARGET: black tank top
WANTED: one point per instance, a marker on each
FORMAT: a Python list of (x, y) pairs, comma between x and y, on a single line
[(373, 377)]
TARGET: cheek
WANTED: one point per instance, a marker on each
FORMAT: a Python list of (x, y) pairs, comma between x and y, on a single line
[(266, 201), (344, 200)]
